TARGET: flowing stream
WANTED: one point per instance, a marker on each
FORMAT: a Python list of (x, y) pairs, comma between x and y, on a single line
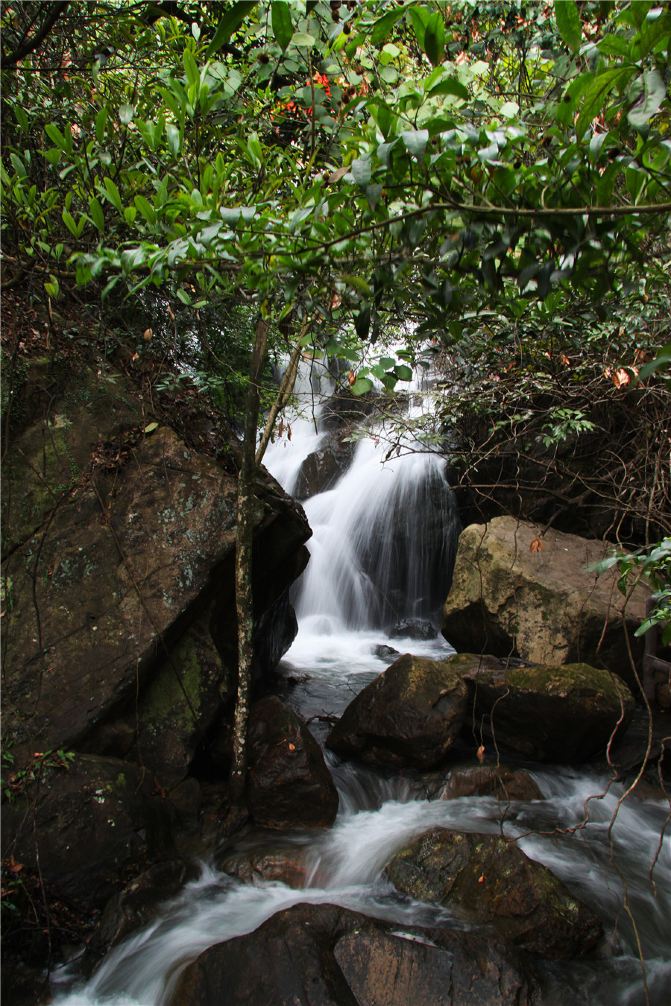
[(382, 540)]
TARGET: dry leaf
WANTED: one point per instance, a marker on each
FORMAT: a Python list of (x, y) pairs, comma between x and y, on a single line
[(536, 545), (621, 378), (480, 753), (481, 878), (351, 377), (292, 747), (148, 335)]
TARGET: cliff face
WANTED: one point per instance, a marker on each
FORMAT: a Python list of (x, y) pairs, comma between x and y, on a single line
[(119, 544)]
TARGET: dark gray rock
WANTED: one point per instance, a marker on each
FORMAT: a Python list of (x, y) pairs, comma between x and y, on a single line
[(289, 785), (413, 628), (326, 956), (410, 715)]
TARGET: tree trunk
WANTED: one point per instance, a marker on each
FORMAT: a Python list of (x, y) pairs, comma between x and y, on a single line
[(243, 564)]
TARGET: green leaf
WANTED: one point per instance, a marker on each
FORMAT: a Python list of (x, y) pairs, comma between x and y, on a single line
[(146, 209), (360, 168), (361, 386), (69, 221), (434, 39), (362, 322), (183, 296), (280, 16), (150, 427), (649, 103), (595, 93), (419, 17), (101, 123), (403, 372), (384, 24), (568, 22), (450, 85), (357, 283), (113, 194), (97, 215), (174, 137), (415, 140), (301, 40), (229, 23), (55, 135)]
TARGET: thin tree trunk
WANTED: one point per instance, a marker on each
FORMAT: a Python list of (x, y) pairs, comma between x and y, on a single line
[(283, 396), (243, 564)]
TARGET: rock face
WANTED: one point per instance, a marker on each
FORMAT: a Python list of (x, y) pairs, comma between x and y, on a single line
[(327, 956), (120, 580), (561, 714), (289, 784), (518, 591), (489, 780), (491, 880), (410, 715)]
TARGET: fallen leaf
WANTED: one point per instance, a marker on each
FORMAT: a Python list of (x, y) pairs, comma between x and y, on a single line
[(292, 747), (536, 545), (621, 378), (151, 427), (148, 335), (481, 878)]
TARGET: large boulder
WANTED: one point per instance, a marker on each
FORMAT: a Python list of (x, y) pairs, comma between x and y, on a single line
[(327, 956), (289, 785), (119, 574), (562, 714), (491, 880), (521, 591), (410, 715)]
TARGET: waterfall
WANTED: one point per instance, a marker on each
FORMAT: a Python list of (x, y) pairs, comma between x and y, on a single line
[(383, 534)]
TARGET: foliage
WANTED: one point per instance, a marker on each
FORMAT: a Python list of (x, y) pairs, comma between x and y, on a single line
[(654, 566)]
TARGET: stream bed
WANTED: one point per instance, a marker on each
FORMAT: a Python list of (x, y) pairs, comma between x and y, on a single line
[(384, 533)]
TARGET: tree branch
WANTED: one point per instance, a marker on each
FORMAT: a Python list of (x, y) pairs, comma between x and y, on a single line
[(56, 9)]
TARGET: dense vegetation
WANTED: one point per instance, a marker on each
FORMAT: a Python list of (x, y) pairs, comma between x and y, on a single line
[(495, 177)]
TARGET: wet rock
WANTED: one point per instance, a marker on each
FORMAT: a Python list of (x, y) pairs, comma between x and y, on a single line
[(523, 591), (327, 956), (385, 652), (88, 826), (491, 880), (561, 713), (410, 715), (285, 864), (413, 628), (319, 471), (489, 780), (289, 784)]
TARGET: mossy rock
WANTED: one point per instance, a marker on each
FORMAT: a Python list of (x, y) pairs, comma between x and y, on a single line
[(526, 591), (491, 880), (564, 713)]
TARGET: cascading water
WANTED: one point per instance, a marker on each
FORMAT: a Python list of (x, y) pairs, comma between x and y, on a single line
[(380, 551)]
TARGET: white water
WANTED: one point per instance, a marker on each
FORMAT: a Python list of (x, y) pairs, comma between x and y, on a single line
[(344, 607)]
